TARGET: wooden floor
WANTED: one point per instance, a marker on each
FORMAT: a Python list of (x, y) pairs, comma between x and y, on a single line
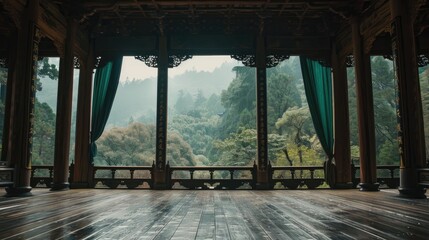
[(209, 214)]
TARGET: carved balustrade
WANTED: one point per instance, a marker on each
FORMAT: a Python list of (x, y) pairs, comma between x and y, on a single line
[(129, 176), (219, 177), (387, 175)]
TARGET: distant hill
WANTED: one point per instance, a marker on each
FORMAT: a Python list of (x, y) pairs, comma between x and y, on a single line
[(49, 91), (137, 99)]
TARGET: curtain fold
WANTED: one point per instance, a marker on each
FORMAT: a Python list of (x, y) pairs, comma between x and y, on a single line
[(318, 89), (106, 82)]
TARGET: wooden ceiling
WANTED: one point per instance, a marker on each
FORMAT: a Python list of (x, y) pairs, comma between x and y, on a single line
[(205, 27), (286, 17)]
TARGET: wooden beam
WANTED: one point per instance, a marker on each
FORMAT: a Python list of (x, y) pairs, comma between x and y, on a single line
[(51, 22), (54, 25)]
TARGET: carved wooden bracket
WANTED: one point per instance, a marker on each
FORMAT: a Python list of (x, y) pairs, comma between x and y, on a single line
[(173, 60), (350, 61), (270, 60)]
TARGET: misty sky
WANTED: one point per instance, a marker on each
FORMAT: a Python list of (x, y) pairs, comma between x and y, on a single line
[(135, 69)]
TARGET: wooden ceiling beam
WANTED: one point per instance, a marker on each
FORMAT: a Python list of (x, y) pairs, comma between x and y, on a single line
[(54, 24)]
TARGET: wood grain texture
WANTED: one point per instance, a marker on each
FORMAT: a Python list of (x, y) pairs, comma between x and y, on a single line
[(210, 214)]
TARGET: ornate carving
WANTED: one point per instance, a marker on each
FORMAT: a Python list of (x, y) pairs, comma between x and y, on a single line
[(76, 62), (422, 60), (149, 60), (176, 60), (274, 60), (388, 56), (262, 118), (250, 60), (173, 60), (35, 43), (350, 61), (97, 61), (247, 60), (161, 130)]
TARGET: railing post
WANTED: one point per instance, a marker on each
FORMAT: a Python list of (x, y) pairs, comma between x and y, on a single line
[(113, 173), (231, 173), (192, 174), (312, 173)]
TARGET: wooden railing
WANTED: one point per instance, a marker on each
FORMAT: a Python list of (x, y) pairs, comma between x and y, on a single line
[(388, 175), (128, 176), (216, 177), (423, 177), (41, 176), (288, 176), (213, 177), (6, 176)]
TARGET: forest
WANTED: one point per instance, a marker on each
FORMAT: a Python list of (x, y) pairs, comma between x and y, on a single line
[(211, 119)]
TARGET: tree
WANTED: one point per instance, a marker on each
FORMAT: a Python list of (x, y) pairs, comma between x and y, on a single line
[(184, 103), (384, 110), (134, 145), (239, 101), (44, 135), (282, 94), (424, 86), (44, 121), (297, 120), (239, 149)]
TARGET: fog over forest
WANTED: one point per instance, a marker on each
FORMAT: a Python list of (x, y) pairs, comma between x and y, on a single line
[(212, 117)]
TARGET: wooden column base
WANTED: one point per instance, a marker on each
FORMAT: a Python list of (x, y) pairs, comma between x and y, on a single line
[(262, 181), (19, 191), (79, 185), (369, 187), (412, 192), (408, 186), (347, 185), (159, 180), (262, 186), (60, 186)]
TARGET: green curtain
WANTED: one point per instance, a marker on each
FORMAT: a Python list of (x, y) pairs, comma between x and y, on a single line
[(318, 89), (105, 85)]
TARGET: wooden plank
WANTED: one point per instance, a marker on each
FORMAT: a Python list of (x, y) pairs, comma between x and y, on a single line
[(198, 214)]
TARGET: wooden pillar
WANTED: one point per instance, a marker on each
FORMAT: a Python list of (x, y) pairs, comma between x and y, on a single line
[(82, 175), (368, 171), (9, 103), (160, 171), (342, 155), (64, 110), (24, 99), (261, 115), (409, 103)]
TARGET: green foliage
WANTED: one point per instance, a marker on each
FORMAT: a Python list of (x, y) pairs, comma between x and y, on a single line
[(239, 101), (384, 110), (197, 131), (44, 121), (44, 135), (184, 103), (134, 145), (384, 97), (424, 85), (283, 94), (239, 149)]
